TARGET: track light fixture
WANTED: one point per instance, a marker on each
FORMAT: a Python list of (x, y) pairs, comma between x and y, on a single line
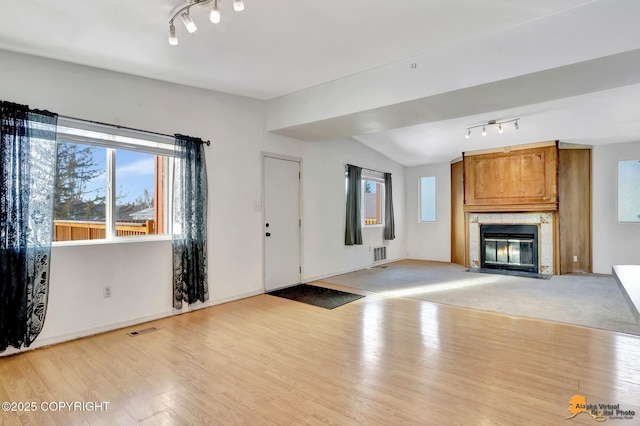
[(492, 123), (183, 12)]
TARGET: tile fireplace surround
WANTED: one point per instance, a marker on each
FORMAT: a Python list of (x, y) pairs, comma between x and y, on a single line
[(544, 221)]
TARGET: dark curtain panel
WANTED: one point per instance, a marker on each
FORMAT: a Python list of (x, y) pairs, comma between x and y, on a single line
[(189, 222), (353, 233), (27, 172), (389, 222)]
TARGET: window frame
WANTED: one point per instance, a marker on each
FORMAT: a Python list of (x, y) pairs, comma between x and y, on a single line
[(435, 199), (114, 138)]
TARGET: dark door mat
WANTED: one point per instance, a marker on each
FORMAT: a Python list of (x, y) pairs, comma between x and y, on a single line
[(512, 273), (317, 296)]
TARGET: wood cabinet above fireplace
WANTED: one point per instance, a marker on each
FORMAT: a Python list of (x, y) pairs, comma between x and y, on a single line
[(523, 178)]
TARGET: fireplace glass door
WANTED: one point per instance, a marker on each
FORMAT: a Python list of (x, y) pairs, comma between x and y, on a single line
[(507, 251), (509, 247)]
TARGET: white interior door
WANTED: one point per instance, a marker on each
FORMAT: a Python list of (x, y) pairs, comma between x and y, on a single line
[(281, 223)]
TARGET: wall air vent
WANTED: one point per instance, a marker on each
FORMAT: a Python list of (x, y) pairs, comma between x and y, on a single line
[(379, 254)]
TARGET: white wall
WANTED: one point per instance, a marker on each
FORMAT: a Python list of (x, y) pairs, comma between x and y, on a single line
[(140, 273), (613, 243), (429, 240), (323, 204)]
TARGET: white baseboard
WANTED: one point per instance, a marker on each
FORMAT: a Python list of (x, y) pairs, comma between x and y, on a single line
[(373, 265), (53, 340)]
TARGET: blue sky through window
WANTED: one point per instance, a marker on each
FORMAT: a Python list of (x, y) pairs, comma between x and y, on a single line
[(135, 172)]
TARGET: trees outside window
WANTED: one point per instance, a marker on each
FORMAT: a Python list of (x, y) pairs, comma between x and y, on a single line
[(86, 182)]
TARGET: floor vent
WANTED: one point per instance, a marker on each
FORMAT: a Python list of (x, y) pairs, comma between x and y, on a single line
[(379, 254), (143, 331)]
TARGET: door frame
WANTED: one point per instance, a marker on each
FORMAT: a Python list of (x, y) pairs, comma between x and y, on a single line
[(283, 157)]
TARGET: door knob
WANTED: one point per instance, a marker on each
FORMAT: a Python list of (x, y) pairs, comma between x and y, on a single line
[(268, 234)]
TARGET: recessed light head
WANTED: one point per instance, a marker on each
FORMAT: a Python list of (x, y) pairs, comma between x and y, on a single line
[(484, 131), (468, 135)]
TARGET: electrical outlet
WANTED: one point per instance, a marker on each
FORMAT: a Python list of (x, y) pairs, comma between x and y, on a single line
[(575, 258), (106, 291)]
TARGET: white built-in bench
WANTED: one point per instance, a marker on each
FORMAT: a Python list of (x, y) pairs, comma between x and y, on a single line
[(628, 279)]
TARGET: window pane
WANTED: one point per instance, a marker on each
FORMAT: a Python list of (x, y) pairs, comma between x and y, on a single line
[(372, 199), (79, 195), (139, 186), (629, 191), (428, 199)]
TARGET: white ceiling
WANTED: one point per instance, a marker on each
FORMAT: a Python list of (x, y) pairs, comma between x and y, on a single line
[(275, 48)]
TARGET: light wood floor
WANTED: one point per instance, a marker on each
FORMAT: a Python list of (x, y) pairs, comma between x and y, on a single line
[(376, 361)]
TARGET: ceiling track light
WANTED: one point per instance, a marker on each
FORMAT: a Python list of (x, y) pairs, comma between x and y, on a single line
[(190, 25), (492, 123)]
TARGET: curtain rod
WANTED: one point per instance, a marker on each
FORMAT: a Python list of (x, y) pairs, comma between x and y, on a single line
[(207, 142), (364, 168)]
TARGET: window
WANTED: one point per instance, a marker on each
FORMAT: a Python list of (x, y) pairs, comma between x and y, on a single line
[(110, 184), (629, 191), (372, 198), (372, 202), (428, 199)]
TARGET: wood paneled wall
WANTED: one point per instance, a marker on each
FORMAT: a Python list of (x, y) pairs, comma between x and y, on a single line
[(536, 178), (575, 210), (458, 225), (512, 180)]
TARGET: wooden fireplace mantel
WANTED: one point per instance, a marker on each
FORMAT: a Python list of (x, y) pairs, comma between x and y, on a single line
[(511, 208)]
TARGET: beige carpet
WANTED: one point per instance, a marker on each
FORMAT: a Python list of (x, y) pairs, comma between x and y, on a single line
[(592, 300)]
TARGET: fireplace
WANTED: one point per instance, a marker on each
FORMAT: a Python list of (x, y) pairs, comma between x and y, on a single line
[(512, 247)]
